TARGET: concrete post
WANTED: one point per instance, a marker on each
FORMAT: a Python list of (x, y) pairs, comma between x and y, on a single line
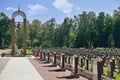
[(86, 64), (110, 69), (97, 69), (48, 54), (63, 62), (41, 54), (75, 66), (54, 61), (92, 59)]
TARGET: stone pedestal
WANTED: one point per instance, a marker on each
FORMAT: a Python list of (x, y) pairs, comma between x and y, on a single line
[(54, 60), (97, 69), (41, 54), (48, 56), (103, 61), (63, 62), (113, 59), (110, 68), (86, 64), (75, 66), (91, 62)]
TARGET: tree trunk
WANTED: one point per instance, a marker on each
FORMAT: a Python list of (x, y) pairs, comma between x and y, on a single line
[(3, 42)]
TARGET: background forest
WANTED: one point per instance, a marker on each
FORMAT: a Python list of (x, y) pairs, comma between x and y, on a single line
[(83, 30)]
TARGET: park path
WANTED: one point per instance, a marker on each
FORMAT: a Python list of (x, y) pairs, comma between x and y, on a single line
[(19, 68)]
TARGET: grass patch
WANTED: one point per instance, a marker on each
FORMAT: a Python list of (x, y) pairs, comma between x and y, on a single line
[(29, 51), (116, 74)]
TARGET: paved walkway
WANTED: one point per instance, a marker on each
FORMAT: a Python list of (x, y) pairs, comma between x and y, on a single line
[(28, 68), (52, 73), (20, 69)]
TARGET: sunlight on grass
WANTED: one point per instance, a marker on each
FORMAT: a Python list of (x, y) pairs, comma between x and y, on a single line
[(29, 51), (116, 74)]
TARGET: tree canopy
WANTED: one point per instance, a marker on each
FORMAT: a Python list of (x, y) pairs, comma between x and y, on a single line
[(83, 30)]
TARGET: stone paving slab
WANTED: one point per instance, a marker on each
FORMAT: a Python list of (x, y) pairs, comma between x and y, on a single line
[(20, 69), (50, 73), (3, 62)]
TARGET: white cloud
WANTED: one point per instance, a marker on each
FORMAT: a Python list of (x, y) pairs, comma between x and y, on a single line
[(11, 9), (37, 9), (78, 8), (63, 5)]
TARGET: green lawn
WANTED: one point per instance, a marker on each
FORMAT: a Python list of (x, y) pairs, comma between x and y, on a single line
[(116, 74), (29, 51)]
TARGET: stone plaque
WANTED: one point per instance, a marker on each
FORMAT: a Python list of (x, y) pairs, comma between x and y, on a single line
[(61, 60), (95, 67)]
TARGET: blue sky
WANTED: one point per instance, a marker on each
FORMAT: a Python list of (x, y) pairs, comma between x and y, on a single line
[(59, 9)]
